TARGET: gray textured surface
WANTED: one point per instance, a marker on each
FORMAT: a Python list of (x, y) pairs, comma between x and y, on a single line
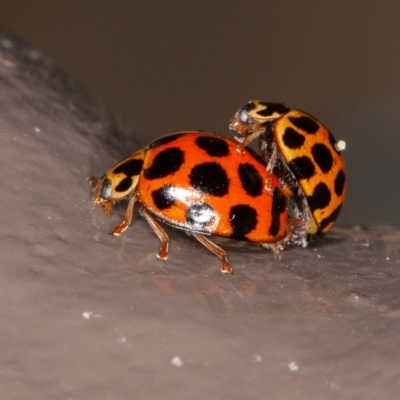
[(85, 315)]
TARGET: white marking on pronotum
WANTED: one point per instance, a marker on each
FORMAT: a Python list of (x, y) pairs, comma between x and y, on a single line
[(340, 145)]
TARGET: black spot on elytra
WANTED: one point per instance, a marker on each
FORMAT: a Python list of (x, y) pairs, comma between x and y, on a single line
[(322, 156), (302, 167), (320, 198), (278, 207), (340, 181), (330, 218), (130, 167), (165, 163), (243, 220), (210, 178), (213, 146), (163, 197), (164, 140), (124, 185), (293, 139), (199, 215), (305, 123), (272, 108), (251, 180), (332, 141)]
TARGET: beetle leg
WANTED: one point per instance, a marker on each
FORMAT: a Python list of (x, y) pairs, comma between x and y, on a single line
[(220, 253), (275, 247), (248, 139), (163, 252), (128, 216), (269, 169), (107, 208), (272, 159), (287, 191), (97, 199), (93, 180)]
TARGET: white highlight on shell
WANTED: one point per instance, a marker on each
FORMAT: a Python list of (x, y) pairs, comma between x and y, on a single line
[(187, 196)]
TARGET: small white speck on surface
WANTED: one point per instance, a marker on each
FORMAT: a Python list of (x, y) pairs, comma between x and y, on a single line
[(97, 237), (177, 362), (257, 358), (387, 258), (335, 386), (122, 339), (91, 314), (293, 366), (37, 129)]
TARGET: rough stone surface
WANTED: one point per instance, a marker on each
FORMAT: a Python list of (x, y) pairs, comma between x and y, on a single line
[(85, 315)]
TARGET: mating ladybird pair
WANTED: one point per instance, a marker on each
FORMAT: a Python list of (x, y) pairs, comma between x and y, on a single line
[(207, 184)]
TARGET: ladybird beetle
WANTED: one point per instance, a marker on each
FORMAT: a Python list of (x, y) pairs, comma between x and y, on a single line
[(199, 183), (304, 155)]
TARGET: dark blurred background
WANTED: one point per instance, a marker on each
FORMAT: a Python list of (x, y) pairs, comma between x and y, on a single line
[(176, 64)]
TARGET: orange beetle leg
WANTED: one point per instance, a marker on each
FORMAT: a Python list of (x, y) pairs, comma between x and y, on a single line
[(163, 252), (241, 147), (93, 180), (272, 160), (220, 253), (107, 208), (128, 216), (257, 131)]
